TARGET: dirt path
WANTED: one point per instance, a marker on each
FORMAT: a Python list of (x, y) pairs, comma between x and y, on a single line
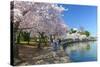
[(30, 55)]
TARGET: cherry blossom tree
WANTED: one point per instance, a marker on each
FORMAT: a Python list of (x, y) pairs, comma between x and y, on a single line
[(37, 19), (17, 17)]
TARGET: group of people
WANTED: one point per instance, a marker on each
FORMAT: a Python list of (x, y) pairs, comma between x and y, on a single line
[(55, 44)]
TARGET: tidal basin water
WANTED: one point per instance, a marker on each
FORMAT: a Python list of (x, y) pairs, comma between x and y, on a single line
[(81, 52)]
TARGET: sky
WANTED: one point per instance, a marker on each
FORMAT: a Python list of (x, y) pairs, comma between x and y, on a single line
[(81, 16)]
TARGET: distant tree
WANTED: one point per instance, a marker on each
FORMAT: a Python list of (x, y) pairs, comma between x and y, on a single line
[(73, 31), (87, 33)]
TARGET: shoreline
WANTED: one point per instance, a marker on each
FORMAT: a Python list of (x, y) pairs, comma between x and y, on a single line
[(42, 56), (75, 41)]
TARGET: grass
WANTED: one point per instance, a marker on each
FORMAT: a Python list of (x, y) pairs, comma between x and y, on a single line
[(32, 43)]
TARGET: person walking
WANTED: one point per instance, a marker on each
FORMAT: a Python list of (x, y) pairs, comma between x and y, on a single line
[(54, 45), (59, 43)]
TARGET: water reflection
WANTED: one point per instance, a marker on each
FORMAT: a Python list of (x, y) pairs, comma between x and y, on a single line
[(85, 51)]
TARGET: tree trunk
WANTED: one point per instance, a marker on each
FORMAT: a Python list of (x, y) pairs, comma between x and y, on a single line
[(51, 39), (18, 38), (39, 44), (28, 38)]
